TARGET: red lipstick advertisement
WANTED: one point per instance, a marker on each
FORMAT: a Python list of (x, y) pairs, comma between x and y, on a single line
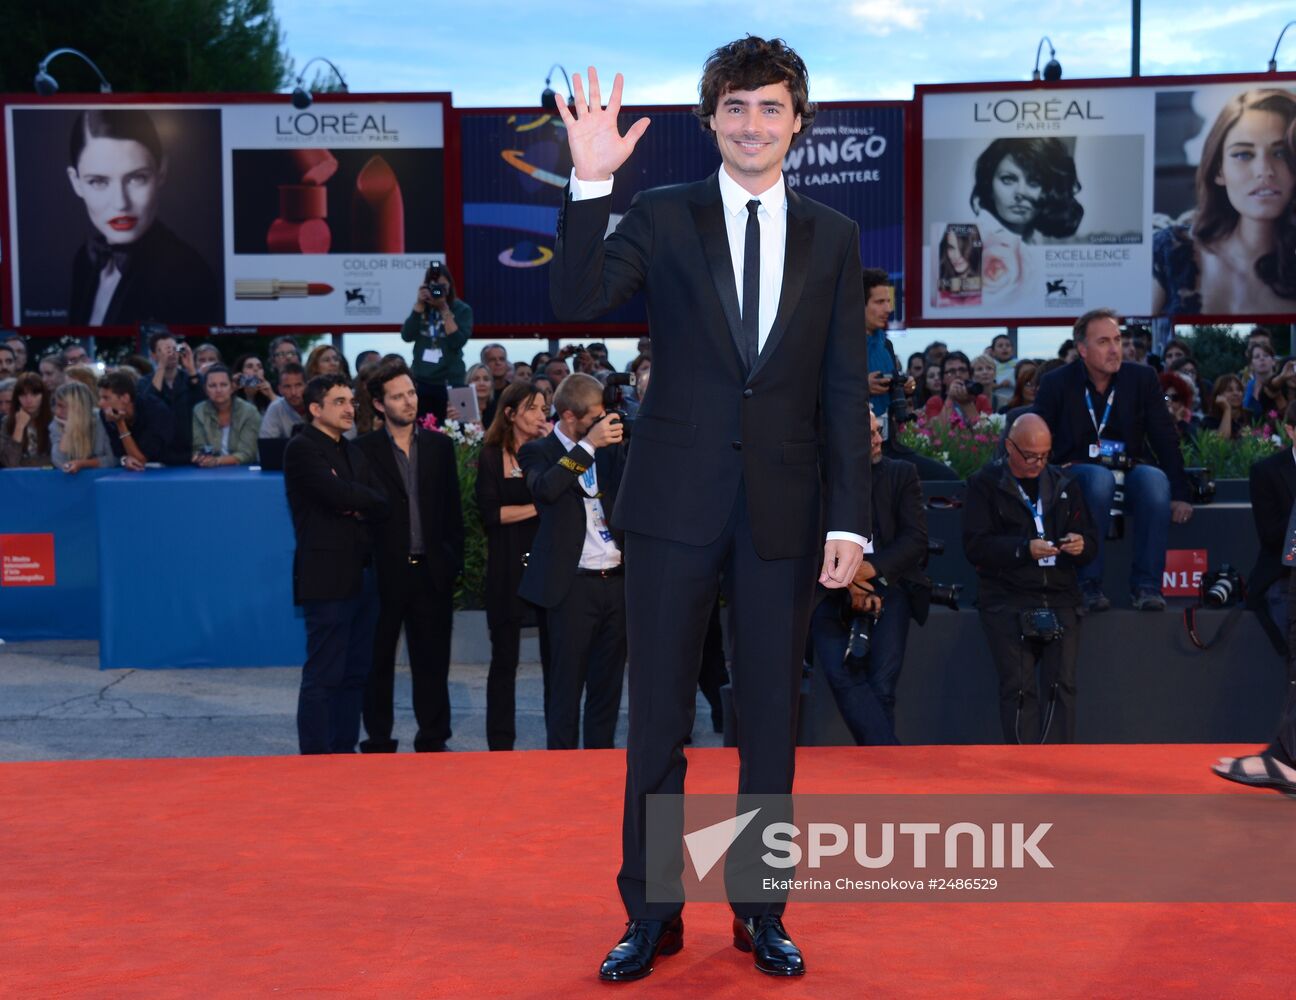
[(344, 196)]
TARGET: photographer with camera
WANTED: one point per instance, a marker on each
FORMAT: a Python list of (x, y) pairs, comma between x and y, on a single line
[(1273, 492), (177, 385), (889, 588), (962, 400), (439, 326), (1102, 413), (575, 568), (890, 392), (1025, 531)]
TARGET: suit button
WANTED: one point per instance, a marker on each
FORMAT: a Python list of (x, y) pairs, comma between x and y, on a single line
[(747, 394), (737, 445)]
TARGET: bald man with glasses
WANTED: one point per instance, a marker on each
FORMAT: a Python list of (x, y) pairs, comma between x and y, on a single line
[(1026, 530)]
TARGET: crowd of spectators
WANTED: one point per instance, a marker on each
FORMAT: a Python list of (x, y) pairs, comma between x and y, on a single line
[(1106, 415)]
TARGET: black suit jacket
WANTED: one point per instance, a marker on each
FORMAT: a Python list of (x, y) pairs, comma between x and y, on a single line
[(1139, 418), (553, 477), (165, 280), (900, 531), (326, 489), (440, 509), (708, 424), (1273, 491)]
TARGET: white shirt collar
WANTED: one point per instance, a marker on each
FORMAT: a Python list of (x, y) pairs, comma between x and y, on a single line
[(735, 196), (567, 443)]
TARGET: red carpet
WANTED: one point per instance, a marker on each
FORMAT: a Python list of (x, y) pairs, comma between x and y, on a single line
[(475, 875)]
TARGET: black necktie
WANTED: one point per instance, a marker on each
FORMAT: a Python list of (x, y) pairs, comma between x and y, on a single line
[(751, 286)]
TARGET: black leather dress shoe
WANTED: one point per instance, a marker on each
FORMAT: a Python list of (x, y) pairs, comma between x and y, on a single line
[(770, 945), (643, 942)]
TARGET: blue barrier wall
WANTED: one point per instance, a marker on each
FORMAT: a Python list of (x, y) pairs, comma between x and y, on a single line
[(39, 501), (197, 570)]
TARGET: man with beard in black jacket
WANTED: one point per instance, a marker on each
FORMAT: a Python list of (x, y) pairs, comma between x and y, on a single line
[(1025, 530)]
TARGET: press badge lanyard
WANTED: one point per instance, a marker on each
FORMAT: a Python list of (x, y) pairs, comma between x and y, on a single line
[(1036, 509), (1037, 512), (1093, 413)]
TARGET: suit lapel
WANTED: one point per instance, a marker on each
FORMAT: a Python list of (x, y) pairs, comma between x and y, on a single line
[(708, 217), (796, 264)]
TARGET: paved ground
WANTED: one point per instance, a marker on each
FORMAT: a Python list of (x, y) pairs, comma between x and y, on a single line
[(56, 704)]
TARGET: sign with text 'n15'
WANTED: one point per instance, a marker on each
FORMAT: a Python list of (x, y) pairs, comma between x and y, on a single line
[(1183, 572), (27, 560)]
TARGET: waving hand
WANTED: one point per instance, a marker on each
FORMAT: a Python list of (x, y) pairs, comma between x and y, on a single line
[(597, 147)]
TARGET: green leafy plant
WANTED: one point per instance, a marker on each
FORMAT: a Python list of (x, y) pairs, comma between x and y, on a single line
[(1231, 459), (470, 589), (964, 449)]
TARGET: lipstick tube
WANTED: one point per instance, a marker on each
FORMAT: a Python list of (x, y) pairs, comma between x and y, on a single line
[(377, 210), (273, 288)]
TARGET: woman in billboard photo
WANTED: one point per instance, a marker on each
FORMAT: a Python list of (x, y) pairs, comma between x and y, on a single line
[(959, 266), (133, 268), (1235, 253), (1028, 189)]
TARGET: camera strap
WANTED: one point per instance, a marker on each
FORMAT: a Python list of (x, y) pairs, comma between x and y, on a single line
[(1099, 426), (1227, 626)]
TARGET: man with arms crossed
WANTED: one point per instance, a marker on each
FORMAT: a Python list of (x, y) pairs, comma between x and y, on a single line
[(756, 308)]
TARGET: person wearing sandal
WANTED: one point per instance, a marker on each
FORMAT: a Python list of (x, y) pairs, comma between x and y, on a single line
[(1275, 766)]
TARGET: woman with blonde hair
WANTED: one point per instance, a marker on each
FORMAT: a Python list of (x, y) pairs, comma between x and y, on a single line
[(78, 439)]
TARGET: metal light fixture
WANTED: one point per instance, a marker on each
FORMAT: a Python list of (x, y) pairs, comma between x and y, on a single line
[(548, 99), (301, 96), (46, 85), (1273, 59), (1052, 68)]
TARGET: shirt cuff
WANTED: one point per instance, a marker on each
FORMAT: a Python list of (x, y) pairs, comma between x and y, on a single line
[(587, 446), (850, 536), (586, 190)]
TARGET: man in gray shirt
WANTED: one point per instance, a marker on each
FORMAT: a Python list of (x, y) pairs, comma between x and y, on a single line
[(289, 409)]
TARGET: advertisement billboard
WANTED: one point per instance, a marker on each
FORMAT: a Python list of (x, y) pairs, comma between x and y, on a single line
[(248, 213), (1155, 197), (515, 165)]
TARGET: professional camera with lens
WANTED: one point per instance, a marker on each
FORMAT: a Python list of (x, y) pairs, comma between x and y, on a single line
[(1117, 461), (898, 409), (860, 641), (612, 385), (946, 595), (1201, 485), (1221, 587)]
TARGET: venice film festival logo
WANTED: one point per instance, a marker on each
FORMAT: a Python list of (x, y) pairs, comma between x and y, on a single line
[(1064, 291)]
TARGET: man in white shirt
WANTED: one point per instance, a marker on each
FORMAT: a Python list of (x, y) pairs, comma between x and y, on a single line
[(574, 569), (759, 370)]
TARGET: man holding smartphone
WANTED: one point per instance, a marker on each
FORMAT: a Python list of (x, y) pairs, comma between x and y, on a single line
[(1026, 531)]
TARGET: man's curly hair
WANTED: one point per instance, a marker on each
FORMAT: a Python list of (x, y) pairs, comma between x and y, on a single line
[(749, 64)]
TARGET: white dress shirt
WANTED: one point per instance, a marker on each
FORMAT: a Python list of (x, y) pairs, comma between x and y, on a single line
[(598, 552), (109, 279), (772, 216)]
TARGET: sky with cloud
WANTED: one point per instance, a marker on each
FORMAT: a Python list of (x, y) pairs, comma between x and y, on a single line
[(491, 53)]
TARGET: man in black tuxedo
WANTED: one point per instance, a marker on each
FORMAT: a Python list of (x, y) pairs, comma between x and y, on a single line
[(1273, 491), (1273, 494), (575, 570), (419, 554), (1104, 411), (331, 494), (756, 315)]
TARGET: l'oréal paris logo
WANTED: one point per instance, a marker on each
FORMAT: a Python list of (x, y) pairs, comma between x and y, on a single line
[(333, 125), (1033, 115)]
